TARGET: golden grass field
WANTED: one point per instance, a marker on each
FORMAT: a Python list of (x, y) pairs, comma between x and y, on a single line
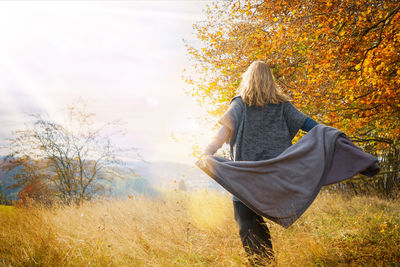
[(196, 229)]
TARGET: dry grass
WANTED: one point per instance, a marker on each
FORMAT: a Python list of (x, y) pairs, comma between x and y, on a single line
[(196, 229)]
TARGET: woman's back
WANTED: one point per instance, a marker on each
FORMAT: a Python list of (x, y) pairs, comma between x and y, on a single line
[(263, 132)]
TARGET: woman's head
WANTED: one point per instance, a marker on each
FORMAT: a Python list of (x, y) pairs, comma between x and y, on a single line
[(258, 86)]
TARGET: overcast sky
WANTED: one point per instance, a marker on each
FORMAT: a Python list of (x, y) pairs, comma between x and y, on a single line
[(125, 59)]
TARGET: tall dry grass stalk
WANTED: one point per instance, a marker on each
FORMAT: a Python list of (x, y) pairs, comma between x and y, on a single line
[(196, 229)]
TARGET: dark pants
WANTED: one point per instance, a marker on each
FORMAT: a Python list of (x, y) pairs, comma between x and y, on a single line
[(253, 232)]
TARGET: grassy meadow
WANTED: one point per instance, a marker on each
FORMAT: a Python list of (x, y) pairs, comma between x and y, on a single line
[(196, 229)]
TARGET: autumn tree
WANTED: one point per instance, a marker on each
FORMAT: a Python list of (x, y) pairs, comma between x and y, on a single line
[(338, 60), (30, 177), (35, 191), (70, 158)]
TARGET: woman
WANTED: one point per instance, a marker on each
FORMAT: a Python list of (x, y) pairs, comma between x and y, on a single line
[(266, 130)]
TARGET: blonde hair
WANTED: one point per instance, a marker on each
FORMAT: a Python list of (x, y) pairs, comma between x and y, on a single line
[(258, 86)]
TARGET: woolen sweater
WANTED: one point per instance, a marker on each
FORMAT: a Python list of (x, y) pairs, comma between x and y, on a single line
[(258, 133)]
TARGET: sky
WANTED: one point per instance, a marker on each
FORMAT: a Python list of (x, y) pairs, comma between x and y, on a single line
[(125, 59)]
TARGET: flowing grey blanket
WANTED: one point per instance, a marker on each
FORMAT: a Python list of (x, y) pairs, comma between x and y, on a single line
[(282, 188)]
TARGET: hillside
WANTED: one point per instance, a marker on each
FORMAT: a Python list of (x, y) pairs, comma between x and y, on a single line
[(163, 174), (6, 180), (149, 178)]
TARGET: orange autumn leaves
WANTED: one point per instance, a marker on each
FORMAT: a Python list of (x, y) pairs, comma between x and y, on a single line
[(338, 60)]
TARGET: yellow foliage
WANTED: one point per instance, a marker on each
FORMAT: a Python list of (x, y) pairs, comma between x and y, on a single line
[(314, 48)]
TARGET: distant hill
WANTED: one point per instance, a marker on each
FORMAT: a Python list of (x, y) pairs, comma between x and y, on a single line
[(148, 178), (167, 174), (6, 180)]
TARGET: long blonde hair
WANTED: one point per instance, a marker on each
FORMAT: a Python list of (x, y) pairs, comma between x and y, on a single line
[(258, 86)]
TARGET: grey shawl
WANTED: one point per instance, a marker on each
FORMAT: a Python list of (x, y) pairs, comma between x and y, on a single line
[(282, 188)]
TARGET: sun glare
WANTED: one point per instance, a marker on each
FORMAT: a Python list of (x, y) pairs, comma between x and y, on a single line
[(207, 210)]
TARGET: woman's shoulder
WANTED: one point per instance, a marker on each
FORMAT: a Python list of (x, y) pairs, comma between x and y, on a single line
[(236, 103), (287, 105), (237, 98)]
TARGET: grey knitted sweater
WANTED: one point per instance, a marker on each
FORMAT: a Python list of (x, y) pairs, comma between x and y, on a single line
[(258, 133)]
